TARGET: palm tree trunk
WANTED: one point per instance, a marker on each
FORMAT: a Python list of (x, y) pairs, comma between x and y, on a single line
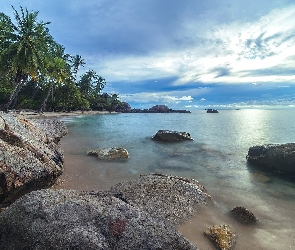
[(43, 106), (19, 81), (13, 94)]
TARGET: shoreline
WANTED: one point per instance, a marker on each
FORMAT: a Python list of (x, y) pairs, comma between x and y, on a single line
[(50, 115)]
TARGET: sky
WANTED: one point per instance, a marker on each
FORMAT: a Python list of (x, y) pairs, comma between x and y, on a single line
[(186, 54)]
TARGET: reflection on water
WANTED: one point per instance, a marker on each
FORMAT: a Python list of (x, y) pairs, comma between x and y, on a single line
[(216, 158)]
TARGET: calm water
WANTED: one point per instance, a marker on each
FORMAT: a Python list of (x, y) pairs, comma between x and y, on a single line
[(216, 158)]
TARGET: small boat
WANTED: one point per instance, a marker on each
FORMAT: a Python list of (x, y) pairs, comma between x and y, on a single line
[(212, 111)]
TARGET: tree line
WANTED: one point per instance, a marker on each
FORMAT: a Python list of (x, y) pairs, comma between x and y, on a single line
[(36, 73)]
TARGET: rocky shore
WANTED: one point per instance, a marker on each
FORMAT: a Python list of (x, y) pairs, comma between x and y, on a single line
[(35, 217), (30, 157), (138, 214), (116, 219)]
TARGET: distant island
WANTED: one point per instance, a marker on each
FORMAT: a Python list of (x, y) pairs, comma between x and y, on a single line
[(155, 109), (212, 111)]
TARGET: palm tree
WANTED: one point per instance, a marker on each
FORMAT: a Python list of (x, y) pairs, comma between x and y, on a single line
[(76, 62), (25, 48), (58, 71), (91, 84)]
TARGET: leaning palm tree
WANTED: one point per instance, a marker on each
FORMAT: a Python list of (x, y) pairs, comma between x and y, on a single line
[(58, 70), (25, 48)]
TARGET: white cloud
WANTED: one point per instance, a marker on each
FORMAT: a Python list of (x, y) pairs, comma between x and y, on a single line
[(155, 97), (238, 49)]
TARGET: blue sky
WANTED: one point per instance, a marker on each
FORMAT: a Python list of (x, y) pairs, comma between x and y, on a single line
[(183, 53)]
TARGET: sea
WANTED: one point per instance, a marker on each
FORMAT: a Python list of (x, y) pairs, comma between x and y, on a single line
[(216, 158)]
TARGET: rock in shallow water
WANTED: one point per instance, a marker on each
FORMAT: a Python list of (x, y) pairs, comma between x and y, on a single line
[(279, 157), (171, 136), (30, 159), (243, 215), (65, 219), (114, 153), (222, 235)]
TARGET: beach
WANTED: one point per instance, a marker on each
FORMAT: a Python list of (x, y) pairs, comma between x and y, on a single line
[(216, 158), (55, 115)]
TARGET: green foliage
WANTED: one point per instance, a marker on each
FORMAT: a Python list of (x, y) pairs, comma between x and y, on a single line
[(91, 84), (31, 61), (67, 97), (107, 102)]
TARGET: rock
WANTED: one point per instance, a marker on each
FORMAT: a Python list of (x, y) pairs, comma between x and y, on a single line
[(54, 129), (171, 136), (212, 111), (243, 215), (222, 235), (29, 158), (67, 219), (167, 197), (279, 157), (113, 153)]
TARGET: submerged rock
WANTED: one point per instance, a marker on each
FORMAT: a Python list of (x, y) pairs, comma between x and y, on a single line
[(222, 235), (113, 153), (279, 157), (171, 198), (243, 215), (67, 219), (171, 136), (30, 158)]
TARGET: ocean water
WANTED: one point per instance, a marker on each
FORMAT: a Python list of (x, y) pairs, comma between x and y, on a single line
[(216, 158)]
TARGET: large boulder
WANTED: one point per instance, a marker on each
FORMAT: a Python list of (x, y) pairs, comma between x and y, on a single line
[(280, 157), (66, 219), (171, 136), (30, 158), (172, 198), (114, 153)]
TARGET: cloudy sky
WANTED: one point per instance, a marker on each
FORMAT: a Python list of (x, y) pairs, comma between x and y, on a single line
[(182, 53)]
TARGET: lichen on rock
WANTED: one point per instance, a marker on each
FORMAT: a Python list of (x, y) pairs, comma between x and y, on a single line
[(222, 235)]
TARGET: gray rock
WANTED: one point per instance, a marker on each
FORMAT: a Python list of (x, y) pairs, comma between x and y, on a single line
[(171, 136), (65, 219), (29, 158), (54, 129), (273, 156), (113, 153), (172, 198)]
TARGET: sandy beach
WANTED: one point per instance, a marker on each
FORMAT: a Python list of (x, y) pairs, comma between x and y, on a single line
[(48, 115)]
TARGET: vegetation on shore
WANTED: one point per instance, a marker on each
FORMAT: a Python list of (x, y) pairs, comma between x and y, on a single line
[(36, 73)]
